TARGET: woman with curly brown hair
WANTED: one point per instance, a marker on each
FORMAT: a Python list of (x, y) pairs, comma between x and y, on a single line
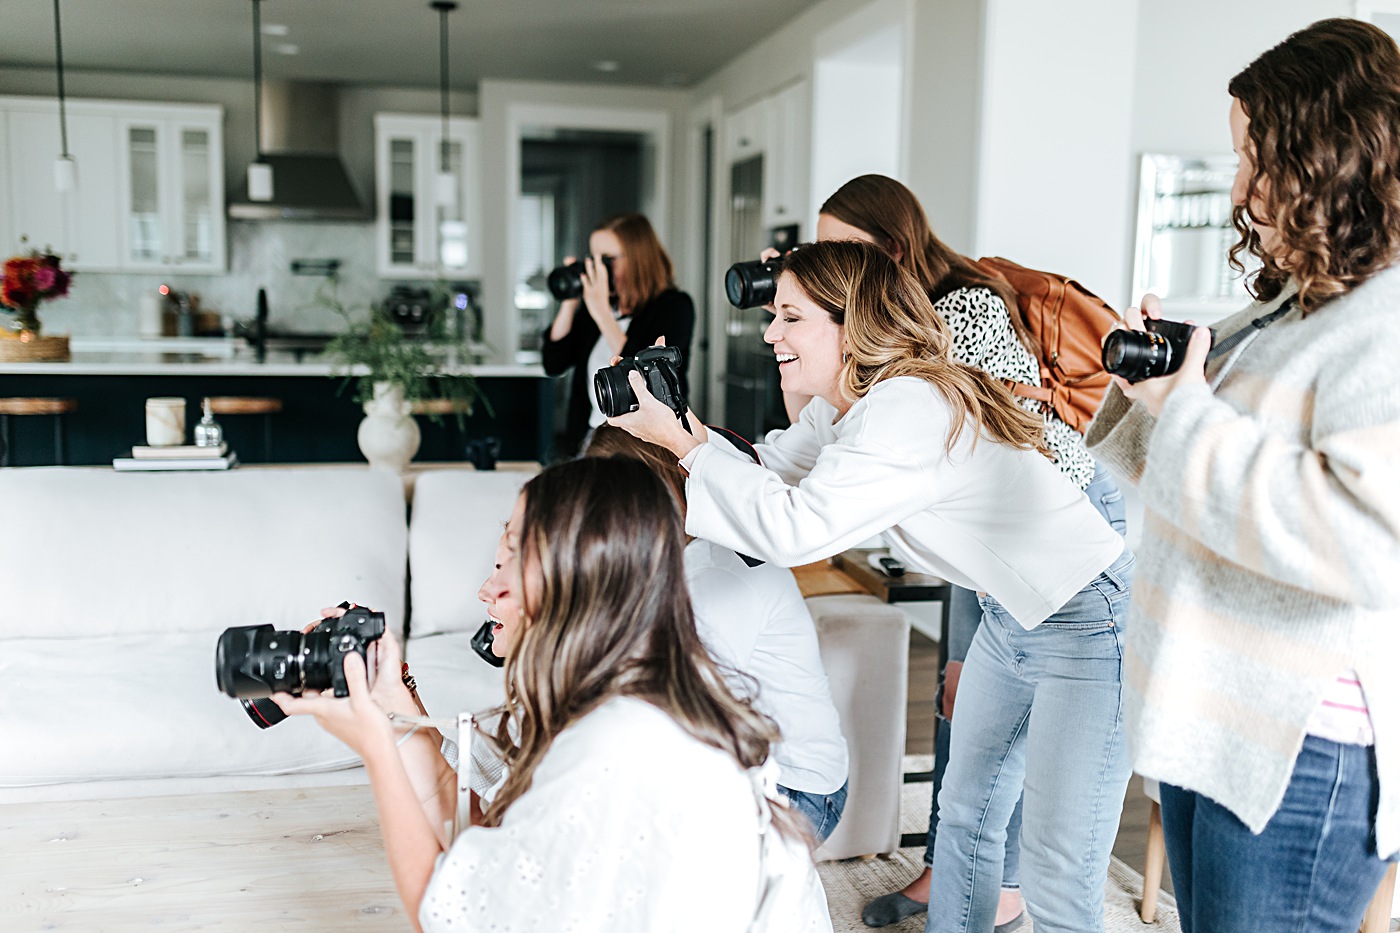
[(1263, 630)]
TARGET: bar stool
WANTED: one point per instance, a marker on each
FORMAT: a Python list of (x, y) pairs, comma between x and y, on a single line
[(250, 405), (57, 408)]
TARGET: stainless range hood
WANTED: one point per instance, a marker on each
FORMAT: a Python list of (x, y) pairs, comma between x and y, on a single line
[(301, 136)]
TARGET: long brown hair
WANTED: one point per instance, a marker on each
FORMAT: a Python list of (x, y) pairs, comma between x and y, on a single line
[(610, 441), (892, 329), (890, 213), (1324, 135), (649, 268), (611, 617)]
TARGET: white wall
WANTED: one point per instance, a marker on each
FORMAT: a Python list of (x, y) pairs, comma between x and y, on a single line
[(1056, 183), (1188, 50), (858, 104)]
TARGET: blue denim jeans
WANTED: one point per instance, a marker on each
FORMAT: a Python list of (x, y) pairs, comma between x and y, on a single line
[(1314, 867), (822, 811), (964, 614), (1039, 709)]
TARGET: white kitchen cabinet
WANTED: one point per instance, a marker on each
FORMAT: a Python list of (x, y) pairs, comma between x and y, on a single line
[(149, 194), (778, 128), (424, 230), (788, 158), (79, 225), (171, 188), (746, 131)]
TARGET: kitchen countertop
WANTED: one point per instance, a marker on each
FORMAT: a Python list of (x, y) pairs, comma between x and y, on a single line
[(212, 356)]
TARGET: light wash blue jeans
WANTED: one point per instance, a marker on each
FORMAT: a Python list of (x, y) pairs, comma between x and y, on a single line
[(964, 616), (1044, 709), (822, 811)]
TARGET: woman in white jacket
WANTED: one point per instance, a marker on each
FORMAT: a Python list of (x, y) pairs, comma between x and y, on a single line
[(900, 439)]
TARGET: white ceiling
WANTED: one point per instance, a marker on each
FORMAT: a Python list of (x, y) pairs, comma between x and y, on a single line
[(395, 42)]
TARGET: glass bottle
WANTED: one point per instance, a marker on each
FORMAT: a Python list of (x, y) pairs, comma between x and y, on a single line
[(208, 432)]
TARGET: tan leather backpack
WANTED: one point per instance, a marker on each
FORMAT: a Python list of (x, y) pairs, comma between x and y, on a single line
[(1066, 323)]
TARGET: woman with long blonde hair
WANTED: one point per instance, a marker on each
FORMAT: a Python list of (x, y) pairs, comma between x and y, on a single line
[(635, 778), (902, 439)]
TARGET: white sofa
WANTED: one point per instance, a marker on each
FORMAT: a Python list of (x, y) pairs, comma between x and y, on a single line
[(114, 588)]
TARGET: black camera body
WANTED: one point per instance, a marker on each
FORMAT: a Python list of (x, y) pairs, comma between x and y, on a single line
[(1139, 355), (566, 282), (252, 662), (753, 284), (659, 366)]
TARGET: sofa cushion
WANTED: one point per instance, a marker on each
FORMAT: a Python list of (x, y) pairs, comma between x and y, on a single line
[(92, 552), (451, 677), (456, 523), (119, 706)]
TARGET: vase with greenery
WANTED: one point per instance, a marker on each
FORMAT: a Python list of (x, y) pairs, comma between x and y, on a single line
[(392, 371)]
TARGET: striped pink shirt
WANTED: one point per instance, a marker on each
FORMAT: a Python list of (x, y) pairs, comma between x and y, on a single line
[(1343, 715)]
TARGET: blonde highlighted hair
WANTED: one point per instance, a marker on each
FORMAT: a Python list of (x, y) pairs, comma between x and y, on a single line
[(892, 330)]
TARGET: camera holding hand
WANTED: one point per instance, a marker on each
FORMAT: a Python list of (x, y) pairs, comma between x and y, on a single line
[(252, 662), (659, 366), (566, 281), (1138, 355)]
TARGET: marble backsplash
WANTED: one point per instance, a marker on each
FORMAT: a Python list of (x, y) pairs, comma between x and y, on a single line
[(260, 255)]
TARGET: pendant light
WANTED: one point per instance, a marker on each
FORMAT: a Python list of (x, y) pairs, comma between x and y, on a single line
[(65, 171), (446, 180), (259, 172)]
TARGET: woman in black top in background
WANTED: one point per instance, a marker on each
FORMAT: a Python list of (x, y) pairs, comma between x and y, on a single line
[(642, 305)]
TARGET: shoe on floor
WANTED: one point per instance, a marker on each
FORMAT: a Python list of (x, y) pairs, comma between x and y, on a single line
[(892, 908), (1013, 924)]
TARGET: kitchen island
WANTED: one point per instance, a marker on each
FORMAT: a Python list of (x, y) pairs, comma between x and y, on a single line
[(111, 378)]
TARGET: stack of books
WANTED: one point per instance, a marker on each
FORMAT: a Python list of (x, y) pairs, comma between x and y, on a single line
[(183, 457)]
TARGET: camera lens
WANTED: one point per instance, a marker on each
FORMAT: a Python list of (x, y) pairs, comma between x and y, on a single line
[(566, 282), (614, 393), (1136, 355), (752, 284), (257, 661)]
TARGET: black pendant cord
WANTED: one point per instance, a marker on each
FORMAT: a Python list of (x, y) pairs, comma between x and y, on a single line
[(257, 78), (443, 9), (62, 106)]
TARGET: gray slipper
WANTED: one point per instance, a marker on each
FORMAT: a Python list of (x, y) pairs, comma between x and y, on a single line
[(1013, 924), (891, 908)]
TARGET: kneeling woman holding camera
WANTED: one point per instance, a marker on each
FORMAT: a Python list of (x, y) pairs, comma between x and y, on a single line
[(902, 439), (629, 301), (633, 772)]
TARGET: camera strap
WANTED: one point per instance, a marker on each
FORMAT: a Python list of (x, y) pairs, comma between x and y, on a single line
[(1256, 325)]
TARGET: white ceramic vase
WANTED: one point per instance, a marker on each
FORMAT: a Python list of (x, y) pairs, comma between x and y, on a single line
[(388, 435)]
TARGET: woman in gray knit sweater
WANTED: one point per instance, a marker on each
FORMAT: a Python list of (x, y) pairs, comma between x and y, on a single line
[(1258, 674)]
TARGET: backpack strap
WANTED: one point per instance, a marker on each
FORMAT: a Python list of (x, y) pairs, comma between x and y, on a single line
[(1039, 393)]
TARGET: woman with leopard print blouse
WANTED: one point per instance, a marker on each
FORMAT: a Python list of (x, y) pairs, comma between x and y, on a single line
[(879, 210)]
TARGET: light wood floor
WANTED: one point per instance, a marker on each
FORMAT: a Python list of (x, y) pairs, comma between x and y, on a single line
[(1131, 844)]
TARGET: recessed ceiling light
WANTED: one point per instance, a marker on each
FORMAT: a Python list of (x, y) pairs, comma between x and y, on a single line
[(286, 48), (606, 65), (274, 29)]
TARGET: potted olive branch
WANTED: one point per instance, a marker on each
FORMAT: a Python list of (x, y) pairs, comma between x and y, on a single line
[(391, 372)]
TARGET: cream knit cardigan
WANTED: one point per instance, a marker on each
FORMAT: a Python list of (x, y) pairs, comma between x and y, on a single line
[(1270, 557)]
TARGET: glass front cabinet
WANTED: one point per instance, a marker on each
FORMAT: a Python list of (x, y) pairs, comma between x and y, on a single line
[(172, 184), (428, 208)]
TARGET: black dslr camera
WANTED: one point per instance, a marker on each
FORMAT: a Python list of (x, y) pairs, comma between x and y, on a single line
[(252, 662), (1136, 355), (566, 282), (659, 367), (753, 284)]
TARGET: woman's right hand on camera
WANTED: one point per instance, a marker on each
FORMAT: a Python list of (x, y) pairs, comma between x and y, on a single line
[(597, 297)]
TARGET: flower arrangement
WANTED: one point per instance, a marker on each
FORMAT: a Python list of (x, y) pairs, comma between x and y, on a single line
[(28, 280)]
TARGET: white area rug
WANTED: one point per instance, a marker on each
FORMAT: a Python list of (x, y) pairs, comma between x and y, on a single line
[(853, 883)]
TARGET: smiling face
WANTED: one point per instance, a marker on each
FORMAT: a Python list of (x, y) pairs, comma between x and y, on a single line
[(1239, 191), (503, 591), (807, 343)]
